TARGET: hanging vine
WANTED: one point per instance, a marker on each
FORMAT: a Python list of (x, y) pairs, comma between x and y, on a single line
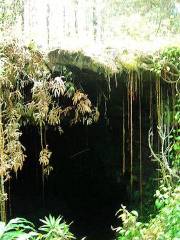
[(140, 145), (124, 138), (30, 95)]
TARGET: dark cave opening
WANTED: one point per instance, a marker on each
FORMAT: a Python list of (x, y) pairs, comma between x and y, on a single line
[(87, 185), (79, 188)]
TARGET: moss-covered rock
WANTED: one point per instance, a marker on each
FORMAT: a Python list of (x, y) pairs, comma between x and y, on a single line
[(111, 63)]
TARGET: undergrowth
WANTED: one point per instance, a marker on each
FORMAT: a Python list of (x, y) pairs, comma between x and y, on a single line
[(21, 229), (166, 224)]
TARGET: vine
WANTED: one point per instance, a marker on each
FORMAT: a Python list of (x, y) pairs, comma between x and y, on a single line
[(29, 94)]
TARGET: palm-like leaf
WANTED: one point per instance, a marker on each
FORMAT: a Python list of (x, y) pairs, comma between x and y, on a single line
[(55, 228)]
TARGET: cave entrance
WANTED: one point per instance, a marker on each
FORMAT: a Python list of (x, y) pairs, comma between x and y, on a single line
[(82, 186), (88, 183)]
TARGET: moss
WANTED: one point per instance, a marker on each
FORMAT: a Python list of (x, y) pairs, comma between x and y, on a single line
[(109, 65), (80, 60)]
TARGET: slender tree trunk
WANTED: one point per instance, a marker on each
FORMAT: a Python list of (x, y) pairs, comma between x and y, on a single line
[(76, 18), (47, 24), (22, 18), (94, 21), (29, 14), (64, 20)]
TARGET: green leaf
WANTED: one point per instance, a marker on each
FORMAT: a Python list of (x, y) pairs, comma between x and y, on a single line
[(159, 204)]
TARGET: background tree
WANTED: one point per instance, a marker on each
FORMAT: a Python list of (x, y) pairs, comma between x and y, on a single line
[(107, 21)]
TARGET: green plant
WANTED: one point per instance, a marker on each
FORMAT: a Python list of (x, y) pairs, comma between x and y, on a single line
[(21, 229), (29, 94), (175, 156), (165, 226), (130, 226), (17, 229), (166, 223), (162, 195), (55, 229)]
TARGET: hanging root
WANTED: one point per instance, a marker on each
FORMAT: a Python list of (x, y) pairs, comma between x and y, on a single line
[(140, 147), (124, 137)]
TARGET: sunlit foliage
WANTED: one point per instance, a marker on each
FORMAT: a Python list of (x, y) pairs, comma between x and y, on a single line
[(30, 95)]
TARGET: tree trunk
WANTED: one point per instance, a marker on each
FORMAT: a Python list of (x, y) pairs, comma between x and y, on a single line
[(76, 18), (22, 18), (47, 24), (94, 21)]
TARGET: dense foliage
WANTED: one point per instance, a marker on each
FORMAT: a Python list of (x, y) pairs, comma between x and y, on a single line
[(21, 229), (10, 12), (166, 223), (29, 94), (129, 20)]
